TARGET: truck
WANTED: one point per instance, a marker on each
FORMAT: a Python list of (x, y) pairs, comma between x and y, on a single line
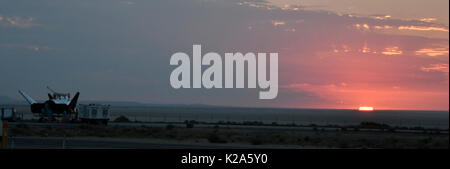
[(94, 113)]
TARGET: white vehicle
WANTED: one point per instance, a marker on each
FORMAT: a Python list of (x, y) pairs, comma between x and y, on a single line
[(93, 113), (9, 114)]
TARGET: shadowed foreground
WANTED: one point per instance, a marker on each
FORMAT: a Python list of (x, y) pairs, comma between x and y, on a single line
[(159, 137)]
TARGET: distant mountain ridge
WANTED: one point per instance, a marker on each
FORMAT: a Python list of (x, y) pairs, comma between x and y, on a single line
[(5, 100), (139, 104)]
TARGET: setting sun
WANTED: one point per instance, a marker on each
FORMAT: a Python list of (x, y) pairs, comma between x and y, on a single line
[(365, 108)]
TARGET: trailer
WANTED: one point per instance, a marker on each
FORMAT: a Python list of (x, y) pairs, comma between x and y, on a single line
[(93, 113), (9, 114)]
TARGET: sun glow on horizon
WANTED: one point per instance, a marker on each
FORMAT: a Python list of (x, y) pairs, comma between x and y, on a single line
[(365, 108)]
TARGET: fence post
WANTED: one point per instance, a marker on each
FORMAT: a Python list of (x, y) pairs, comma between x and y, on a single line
[(4, 135), (12, 142), (64, 142)]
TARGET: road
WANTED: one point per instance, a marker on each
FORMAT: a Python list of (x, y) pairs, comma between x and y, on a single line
[(112, 143), (260, 127)]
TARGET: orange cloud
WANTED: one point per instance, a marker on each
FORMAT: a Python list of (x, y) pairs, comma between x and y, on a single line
[(383, 27), (382, 17), (365, 49), (287, 7), (392, 51), (441, 67), (295, 86), (277, 23), (422, 28), (362, 26), (428, 19), (432, 51)]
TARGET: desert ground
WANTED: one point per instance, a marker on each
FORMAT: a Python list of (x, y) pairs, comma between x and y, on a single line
[(142, 136)]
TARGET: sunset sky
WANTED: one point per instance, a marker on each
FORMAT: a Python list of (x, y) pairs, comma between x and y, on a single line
[(332, 53)]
